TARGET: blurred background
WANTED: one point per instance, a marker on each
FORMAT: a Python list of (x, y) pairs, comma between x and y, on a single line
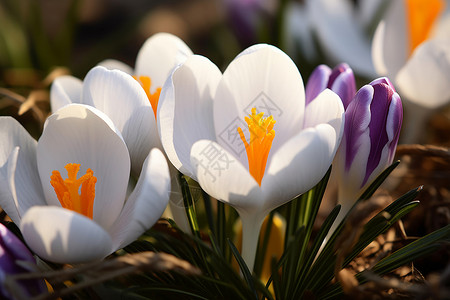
[(42, 39)]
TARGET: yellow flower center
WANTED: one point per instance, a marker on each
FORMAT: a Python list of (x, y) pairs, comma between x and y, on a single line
[(258, 147), (146, 83), (68, 190), (421, 16)]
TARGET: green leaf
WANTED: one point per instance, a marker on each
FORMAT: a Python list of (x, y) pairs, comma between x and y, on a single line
[(302, 281), (189, 205), (322, 271), (378, 181), (413, 250), (243, 266), (417, 249)]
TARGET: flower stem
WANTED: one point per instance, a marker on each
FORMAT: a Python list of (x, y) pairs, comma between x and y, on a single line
[(251, 225)]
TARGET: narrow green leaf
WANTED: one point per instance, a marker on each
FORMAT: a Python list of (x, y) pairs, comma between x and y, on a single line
[(417, 249), (378, 181), (302, 280), (189, 205), (243, 266), (412, 251)]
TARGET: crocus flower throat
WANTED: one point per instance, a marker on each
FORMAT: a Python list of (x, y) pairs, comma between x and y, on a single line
[(421, 16), (67, 190), (146, 83), (258, 147)]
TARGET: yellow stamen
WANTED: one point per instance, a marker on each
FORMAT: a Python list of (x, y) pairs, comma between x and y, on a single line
[(261, 137), (67, 190), (146, 83), (421, 16)]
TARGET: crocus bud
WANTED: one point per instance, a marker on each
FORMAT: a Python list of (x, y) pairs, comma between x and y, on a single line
[(340, 80), (373, 121), (13, 250)]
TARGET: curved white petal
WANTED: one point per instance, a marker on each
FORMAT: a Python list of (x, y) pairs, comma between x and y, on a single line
[(159, 55), (112, 64), (65, 90), (299, 31), (390, 42), (186, 109), (146, 203), (19, 182), (425, 79), (341, 35), (223, 177), (299, 165), (63, 236), (79, 134), (266, 78), (123, 99), (378, 51), (442, 25), (326, 108)]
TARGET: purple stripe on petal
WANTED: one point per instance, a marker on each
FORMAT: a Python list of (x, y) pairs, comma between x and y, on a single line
[(317, 82), (384, 80), (338, 70), (357, 119), (344, 85), (377, 127)]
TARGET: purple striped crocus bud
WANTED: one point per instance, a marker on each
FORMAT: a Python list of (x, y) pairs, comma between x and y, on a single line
[(340, 80), (13, 250), (373, 121)]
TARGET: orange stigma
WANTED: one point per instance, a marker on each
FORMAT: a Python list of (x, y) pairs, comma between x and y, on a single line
[(146, 83), (67, 190), (258, 148), (421, 16)]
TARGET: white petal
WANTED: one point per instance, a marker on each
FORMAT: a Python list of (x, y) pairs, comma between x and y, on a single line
[(350, 181), (299, 30), (65, 90), (266, 78), (378, 51), (8, 196), (425, 79), (20, 183), (63, 236), (159, 55), (186, 109), (79, 134), (223, 177), (122, 99), (341, 35), (442, 25), (147, 202), (299, 165), (112, 64), (326, 108), (390, 42)]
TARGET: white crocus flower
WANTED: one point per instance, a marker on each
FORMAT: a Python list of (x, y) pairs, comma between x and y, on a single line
[(68, 191), (412, 47), (132, 109), (246, 136)]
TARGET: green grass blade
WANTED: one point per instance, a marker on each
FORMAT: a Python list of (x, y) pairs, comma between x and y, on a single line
[(243, 266)]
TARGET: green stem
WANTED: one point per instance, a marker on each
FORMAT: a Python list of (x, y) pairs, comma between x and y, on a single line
[(251, 225)]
